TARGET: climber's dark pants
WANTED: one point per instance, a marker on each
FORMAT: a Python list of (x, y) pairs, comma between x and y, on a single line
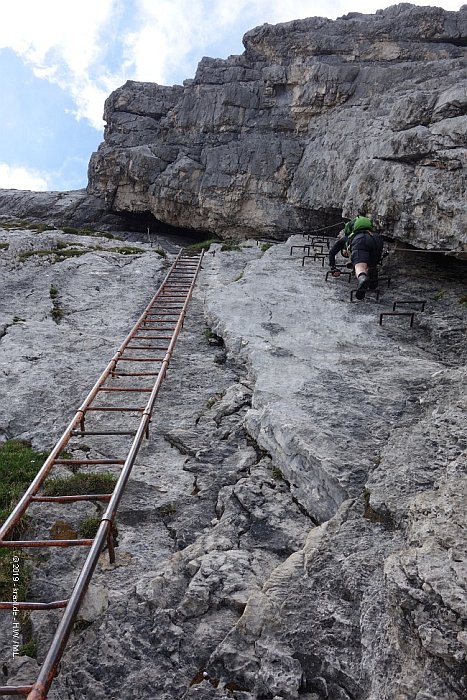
[(366, 248)]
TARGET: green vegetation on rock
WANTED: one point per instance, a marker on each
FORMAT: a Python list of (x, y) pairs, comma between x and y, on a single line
[(19, 464), (79, 484)]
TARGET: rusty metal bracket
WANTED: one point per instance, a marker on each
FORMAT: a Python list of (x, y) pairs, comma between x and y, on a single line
[(397, 313), (300, 246), (315, 256), (319, 240), (411, 302)]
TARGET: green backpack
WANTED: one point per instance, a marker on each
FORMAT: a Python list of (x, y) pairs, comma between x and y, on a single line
[(360, 223)]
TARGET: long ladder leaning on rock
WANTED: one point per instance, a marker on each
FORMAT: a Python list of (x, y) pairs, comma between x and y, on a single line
[(144, 356)]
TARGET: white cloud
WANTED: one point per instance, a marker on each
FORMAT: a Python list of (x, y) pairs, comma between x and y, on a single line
[(62, 43), (37, 30), (19, 178)]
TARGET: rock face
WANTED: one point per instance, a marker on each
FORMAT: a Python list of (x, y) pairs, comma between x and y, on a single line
[(75, 208), (316, 119), (294, 527)]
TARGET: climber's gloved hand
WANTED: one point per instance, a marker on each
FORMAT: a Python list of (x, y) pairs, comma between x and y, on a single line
[(335, 272)]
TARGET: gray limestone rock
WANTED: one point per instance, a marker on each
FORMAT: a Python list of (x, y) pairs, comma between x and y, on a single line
[(317, 118), (294, 526), (77, 208)]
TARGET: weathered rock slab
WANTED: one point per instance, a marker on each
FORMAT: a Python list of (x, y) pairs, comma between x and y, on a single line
[(316, 119)]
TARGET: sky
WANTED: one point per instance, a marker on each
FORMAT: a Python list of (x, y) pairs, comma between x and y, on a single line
[(60, 60)]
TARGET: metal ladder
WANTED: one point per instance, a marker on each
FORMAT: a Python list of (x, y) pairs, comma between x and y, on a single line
[(138, 368)]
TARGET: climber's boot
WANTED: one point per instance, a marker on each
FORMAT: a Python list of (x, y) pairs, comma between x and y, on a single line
[(363, 282), (373, 278)]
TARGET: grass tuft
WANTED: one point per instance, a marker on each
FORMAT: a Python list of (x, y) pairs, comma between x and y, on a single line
[(80, 484), (88, 527), (202, 245), (127, 250), (229, 246), (57, 313), (58, 253), (19, 464), (29, 649)]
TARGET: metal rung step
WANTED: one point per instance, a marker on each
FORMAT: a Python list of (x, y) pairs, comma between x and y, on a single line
[(24, 605), (127, 409), (45, 543), (140, 359), (123, 388), (15, 689), (408, 314), (410, 302), (131, 374), (144, 347), (89, 461), (72, 499), (82, 433), (152, 337)]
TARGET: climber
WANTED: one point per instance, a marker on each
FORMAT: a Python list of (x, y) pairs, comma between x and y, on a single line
[(365, 247)]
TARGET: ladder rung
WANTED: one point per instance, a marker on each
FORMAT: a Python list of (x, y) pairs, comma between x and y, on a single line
[(53, 605), (131, 374), (114, 408), (141, 359), (46, 543), (89, 461), (152, 337), (123, 388), (72, 499), (15, 689), (144, 347), (82, 433)]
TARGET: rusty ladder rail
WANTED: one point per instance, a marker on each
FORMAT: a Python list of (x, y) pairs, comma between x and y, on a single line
[(170, 301)]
